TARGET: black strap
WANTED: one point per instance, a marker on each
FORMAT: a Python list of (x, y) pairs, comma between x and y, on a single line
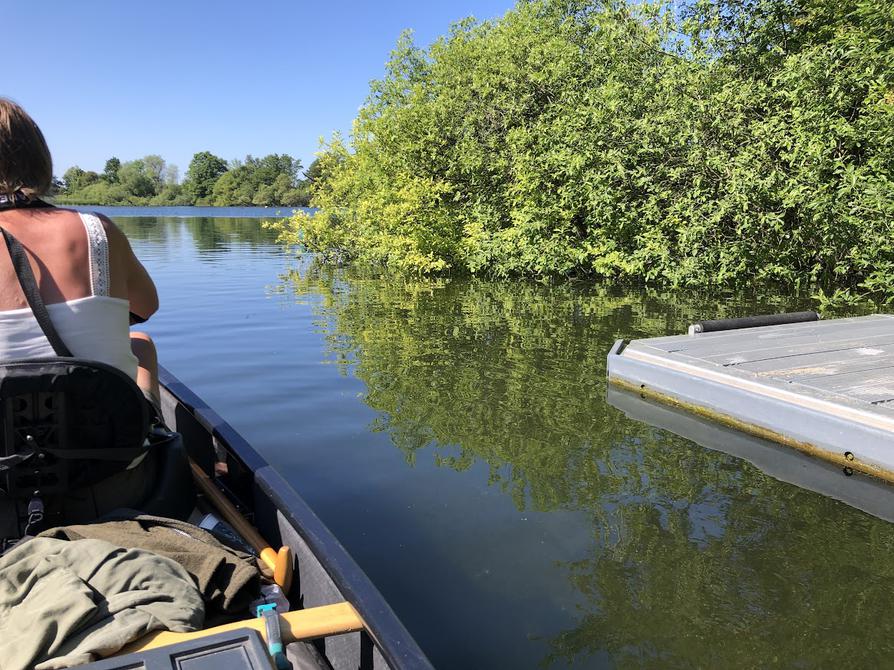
[(32, 293), (21, 201)]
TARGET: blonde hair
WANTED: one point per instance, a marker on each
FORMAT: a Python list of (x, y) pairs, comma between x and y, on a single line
[(25, 161)]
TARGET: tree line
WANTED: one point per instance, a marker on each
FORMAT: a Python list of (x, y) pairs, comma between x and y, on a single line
[(714, 143), (274, 180)]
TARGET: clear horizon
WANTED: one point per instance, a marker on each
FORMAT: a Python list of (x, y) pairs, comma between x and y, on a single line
[(173, 79)]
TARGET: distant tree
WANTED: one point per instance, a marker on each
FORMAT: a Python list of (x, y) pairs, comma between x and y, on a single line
[(204, 170), (271, 180), (172, 175), (154, 168), (296, 197), (110, 173), (138, 179), (244, 195), (75, 179), (268, 168), (280, 189), (224, 192), (101, 193), (171, 194), (57, 186), (314, 172), (71, 180), (264, 196), (233, 190)]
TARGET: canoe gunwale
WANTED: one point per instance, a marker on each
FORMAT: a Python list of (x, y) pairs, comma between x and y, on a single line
[(393, 640)]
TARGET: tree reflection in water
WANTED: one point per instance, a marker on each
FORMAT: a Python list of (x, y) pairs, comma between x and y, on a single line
[(208, 234), (701, 559)]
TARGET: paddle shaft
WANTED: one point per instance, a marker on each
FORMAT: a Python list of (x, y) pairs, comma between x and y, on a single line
[(280, 562), (299, 625)]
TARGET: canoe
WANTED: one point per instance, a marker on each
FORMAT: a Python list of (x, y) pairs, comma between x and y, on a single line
[(328, 591)]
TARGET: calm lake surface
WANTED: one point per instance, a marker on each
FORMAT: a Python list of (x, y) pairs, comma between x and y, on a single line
[(456, 439)]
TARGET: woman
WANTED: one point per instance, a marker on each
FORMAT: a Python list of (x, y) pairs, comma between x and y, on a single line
[(87, 273)]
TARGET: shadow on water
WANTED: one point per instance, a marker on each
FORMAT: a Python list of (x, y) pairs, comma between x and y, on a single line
[(700, 558)]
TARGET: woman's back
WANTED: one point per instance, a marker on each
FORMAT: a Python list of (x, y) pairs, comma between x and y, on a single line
[(82, 280), (84, 267), (57, 246)]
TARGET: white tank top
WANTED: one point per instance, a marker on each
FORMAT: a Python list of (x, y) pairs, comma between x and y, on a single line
[(96, 327)]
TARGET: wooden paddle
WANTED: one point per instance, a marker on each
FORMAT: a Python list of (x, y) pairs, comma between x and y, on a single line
[(298, 625), (278, 561)]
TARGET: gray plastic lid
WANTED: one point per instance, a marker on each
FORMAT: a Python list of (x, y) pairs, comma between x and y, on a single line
[(241, 649)]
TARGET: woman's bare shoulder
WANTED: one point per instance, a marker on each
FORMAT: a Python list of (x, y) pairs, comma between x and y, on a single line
[(58, 211), (70, 218), (117, 240), (55, 214), (60, 225)]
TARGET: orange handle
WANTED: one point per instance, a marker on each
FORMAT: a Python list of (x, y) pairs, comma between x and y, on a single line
[(280, 562), (306, 624)]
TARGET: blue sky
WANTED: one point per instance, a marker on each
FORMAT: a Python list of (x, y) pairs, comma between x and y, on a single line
[(128, 79)]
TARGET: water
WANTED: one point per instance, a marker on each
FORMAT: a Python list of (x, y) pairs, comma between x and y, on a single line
[(455, 437)]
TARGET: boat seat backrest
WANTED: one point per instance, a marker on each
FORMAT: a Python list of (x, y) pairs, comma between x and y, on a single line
[(75, 438), (66, 424)]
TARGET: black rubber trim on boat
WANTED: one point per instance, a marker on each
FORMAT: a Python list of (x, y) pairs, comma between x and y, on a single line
[(715, 325)]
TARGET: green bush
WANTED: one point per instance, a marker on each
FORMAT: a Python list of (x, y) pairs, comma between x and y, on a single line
[(737, 141)]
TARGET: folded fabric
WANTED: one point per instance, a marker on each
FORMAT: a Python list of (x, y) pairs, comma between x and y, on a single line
[(67, 603), (227, 579)]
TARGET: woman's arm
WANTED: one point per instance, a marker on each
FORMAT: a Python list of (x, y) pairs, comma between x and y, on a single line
[(141, 289)]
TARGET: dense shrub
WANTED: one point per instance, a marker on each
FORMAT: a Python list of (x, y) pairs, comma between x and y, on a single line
[(732, 142)]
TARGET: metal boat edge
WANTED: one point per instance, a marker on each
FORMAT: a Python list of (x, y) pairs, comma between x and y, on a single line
[(324, 572)]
